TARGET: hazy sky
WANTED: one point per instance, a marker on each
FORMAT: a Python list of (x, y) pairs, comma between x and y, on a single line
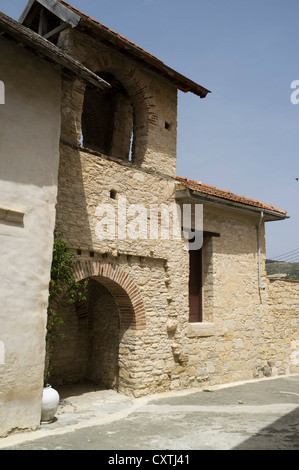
[(244, 136)]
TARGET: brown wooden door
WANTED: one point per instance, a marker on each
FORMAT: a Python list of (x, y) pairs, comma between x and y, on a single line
[(195, 286)]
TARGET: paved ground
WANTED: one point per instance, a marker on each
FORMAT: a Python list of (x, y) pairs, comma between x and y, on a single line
[(256, 415)]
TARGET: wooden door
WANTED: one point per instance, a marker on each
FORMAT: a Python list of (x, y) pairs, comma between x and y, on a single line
[(195, 286)]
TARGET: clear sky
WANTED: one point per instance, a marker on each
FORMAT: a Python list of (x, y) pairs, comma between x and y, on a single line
[(244, 136)]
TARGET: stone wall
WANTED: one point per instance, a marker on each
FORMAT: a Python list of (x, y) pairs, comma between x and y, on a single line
[(163, 351), (281, 328), (245, 333), (133, 333), (169, 353), (154, 101), (88, 179), (224, 347), (88, 349)]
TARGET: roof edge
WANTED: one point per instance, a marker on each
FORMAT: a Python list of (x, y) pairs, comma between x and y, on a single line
[(225, 198), (41, 46), (78, 19)]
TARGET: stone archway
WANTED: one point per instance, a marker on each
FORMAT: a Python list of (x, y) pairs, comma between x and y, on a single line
[(121, 286), (103, 332), (138, 90)]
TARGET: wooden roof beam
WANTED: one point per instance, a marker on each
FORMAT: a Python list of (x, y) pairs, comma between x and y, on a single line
[(64, 13)]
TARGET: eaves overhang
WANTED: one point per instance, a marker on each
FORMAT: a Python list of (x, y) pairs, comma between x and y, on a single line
[(77, 19), (25, 37), (193, 196)]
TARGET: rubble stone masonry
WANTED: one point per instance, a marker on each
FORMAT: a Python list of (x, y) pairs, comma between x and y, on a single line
[(246, 332), (281, 327)]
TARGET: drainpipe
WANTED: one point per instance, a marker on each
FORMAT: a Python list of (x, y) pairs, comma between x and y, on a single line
[(259, 248)]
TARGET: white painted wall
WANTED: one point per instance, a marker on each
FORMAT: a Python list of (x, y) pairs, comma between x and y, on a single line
[(29, 157)]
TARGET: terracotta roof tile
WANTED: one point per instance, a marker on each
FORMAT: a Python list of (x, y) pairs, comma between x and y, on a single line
[(89, 18), (227, 195), (183, 83)]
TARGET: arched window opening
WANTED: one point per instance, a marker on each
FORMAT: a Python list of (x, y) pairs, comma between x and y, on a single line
[(108, 120)]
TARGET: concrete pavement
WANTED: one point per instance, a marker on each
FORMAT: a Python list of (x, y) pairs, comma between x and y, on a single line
[(255, 415)]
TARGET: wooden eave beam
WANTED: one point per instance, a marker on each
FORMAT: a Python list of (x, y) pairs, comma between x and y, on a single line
[(113, 40), (65, 14), (44, 48)]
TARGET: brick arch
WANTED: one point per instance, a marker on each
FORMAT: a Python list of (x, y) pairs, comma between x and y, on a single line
[(121, 286), (139, 92)]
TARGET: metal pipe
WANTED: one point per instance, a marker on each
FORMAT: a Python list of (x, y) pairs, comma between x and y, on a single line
[(259, 249)]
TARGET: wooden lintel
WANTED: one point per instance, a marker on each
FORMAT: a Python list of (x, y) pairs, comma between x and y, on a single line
[(205, 234), (211, 234)]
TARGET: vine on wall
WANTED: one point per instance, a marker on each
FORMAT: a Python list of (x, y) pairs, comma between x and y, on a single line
[(63, 283)]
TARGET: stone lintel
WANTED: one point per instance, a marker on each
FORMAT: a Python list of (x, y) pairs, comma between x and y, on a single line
[(200, 330)]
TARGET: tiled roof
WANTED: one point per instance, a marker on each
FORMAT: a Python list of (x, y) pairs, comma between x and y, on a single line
[(183, 83), (207, 191), (110, 31)]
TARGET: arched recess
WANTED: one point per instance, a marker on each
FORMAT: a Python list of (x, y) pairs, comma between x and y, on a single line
[(100, 334), (129, 88), (108, 120), (121, 286)]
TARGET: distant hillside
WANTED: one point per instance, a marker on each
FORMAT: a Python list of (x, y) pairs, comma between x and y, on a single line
[(282, 269)]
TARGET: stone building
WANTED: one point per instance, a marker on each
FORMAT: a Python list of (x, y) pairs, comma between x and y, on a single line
[(30, 121), (177, 292)]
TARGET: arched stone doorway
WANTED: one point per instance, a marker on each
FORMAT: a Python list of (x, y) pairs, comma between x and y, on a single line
[(100, 332)]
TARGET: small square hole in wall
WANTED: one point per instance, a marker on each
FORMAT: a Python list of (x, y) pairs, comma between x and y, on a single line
[(113, 194), (167, 125), (79, 252), (91, 254)]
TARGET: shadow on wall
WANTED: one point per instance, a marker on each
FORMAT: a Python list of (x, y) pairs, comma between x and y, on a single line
[(72, 219), (92, 348), (89, 349)]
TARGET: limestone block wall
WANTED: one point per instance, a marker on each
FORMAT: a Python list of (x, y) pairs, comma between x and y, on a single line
[(167, 352), (154, 101), (86, 183), (89, 179), (133, 361), (225, 346), (281, 328)]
